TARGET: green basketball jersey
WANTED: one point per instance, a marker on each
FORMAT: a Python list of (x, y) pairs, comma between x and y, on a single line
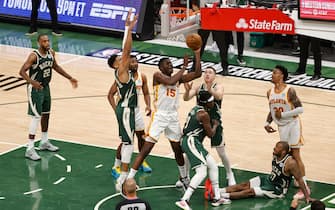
[(204, 88), (277, 177), (42, 70), (127, 91), (192, 126)]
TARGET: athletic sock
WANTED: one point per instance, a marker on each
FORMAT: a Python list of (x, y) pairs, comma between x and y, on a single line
[(117, 162), (44, 138), (182, 171), (132, 173), (30, 144)]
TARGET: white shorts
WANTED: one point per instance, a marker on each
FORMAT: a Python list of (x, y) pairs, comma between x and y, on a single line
[(291, 133), (139, 122), (167, 122)]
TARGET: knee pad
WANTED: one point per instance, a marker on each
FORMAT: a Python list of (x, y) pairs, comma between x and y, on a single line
[(126, 152), (34, 124)]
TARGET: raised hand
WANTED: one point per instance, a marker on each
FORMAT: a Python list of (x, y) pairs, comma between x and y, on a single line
[(131, 22)]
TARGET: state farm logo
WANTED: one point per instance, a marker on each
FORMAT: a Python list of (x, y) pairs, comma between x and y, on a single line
[(242, 23), (273, 25), (110, 11)]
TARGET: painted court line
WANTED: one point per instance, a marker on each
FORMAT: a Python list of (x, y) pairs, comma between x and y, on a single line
[(68, 168), (99, 166), (2, 198), (59, 180), (323, 199), (60, 157), (33, 191), (9, 143)]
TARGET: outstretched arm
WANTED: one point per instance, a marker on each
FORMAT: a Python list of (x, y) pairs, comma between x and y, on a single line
[(31, 60), (123, 73), (62, 72), (190, 91), (197, 73)]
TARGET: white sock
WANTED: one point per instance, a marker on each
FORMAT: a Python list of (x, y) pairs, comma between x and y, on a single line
[(117, 162), (225, 195), (223, 190), (44, 138), (30, 144), (132, 173), (182, 171), (224, 158), (187, 195), (304, 178), (187, 165)]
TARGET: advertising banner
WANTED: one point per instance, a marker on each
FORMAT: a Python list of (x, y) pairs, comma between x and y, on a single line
[(247, 19), (102, 14), (317, 9)]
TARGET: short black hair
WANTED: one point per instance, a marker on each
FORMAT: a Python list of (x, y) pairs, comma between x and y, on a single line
[(204, 98), (40, 35), (161, 61), (283, 70), (285, 146), (318, 205), (111, 60)]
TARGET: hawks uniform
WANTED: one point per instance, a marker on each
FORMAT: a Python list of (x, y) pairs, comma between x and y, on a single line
[(274, 185), (214, 113), (139, 122), (40, 100), (193, 133), (289, 128), (165, 115), (125, 109)]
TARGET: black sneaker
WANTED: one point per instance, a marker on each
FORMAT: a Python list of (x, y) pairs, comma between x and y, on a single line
[(31, 32), (316, 77), (56, 32), (241, 61)]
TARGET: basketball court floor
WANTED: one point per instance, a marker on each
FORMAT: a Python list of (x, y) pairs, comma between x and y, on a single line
[(84, 126)]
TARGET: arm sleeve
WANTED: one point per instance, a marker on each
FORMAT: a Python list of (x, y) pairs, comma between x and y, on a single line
[(292, 113)]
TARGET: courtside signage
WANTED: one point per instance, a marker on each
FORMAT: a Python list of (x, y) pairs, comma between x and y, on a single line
[(104, 14), (236, 71), (247, 19)]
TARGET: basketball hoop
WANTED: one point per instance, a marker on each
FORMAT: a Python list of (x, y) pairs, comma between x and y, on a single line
[(178, 15)]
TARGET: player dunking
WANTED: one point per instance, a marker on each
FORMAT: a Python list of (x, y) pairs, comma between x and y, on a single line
[(141, 87), (165, 116), (285, 107), (40, 64), (217, 91), (125, 109)]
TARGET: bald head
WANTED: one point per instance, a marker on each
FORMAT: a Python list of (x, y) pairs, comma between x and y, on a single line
[(130, 186)]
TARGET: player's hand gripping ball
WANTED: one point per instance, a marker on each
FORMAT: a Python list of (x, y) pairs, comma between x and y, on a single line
[(193, 41)]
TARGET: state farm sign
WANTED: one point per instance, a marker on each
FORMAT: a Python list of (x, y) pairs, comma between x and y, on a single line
[(246, 19)]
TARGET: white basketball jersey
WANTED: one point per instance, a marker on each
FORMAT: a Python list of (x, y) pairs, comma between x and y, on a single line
[(166, 97), (280, 101), (139, 83)]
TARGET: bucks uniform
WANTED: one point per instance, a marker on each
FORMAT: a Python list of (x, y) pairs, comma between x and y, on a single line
[(193, 133), (214, 113), (290, 127), (274, 185), (40, 100), (125, 109), (165, 115)]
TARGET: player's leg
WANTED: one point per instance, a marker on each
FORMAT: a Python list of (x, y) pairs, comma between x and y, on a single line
[(141, 139), (217, 141), (35, 100), (46, 106), (126, 121), (116, 170), (214, 177)]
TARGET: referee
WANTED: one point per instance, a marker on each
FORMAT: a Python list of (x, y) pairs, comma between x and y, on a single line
[(132, 201)]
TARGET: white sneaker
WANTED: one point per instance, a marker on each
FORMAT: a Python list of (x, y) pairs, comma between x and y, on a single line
[(183, 205), (48, 146), (231, 179), (221, 201), (32, 154)]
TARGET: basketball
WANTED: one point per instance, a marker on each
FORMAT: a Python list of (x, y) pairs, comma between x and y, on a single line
[(193, 41)]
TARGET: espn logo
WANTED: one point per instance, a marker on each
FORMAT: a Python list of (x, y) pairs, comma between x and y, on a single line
[(110, 11)]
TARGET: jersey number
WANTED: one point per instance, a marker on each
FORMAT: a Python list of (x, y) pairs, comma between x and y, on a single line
[(170, 92), (46, 73)]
